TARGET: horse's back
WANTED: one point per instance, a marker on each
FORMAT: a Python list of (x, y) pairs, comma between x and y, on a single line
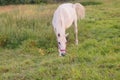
[(65, 13)]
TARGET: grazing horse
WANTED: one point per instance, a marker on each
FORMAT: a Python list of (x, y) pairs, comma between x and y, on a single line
[(66, 15)]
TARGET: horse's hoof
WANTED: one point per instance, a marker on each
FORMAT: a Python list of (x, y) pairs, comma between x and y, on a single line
[(76, 43)]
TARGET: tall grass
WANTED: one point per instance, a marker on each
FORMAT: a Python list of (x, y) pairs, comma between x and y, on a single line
[(28, 48), (24, 22)]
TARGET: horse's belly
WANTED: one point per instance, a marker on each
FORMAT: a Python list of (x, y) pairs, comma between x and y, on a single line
[(69, 19), (68, 23)]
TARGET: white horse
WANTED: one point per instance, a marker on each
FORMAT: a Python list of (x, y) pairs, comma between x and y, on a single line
[(66, 15)]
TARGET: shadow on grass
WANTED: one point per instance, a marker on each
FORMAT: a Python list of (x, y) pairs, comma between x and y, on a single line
[(90, 3)]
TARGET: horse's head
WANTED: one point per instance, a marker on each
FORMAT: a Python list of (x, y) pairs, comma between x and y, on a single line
[(62, 44)]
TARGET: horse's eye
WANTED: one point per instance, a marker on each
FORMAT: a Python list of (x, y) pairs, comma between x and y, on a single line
[(58, 42), (58, 35)]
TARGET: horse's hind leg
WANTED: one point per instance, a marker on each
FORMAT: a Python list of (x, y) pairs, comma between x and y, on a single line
[(76, 32)]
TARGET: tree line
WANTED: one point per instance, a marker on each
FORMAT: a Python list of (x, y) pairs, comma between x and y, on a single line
[(7, 2)]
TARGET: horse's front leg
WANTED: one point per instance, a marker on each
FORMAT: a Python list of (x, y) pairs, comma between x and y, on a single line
[(76, 32)]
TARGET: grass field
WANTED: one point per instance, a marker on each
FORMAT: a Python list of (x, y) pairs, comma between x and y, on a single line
[(28, 48)]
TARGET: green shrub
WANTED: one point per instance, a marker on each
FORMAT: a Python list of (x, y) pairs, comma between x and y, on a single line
[(29, 45), (6, 2), (3, 40)]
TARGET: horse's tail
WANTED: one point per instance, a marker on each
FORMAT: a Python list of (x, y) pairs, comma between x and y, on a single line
[(80, 10)]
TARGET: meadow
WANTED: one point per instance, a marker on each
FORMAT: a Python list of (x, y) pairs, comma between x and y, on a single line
[(28, 47)]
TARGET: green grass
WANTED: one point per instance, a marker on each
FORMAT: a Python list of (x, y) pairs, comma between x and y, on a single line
[(28, 48)]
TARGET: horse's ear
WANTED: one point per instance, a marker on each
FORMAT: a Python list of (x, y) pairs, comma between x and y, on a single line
[(66, 34)]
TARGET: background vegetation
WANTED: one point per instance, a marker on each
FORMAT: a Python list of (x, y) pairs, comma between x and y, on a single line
[(28, 48), (6, 2)]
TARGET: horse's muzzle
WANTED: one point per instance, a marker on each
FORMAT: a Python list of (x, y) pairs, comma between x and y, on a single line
[(62, 54)]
